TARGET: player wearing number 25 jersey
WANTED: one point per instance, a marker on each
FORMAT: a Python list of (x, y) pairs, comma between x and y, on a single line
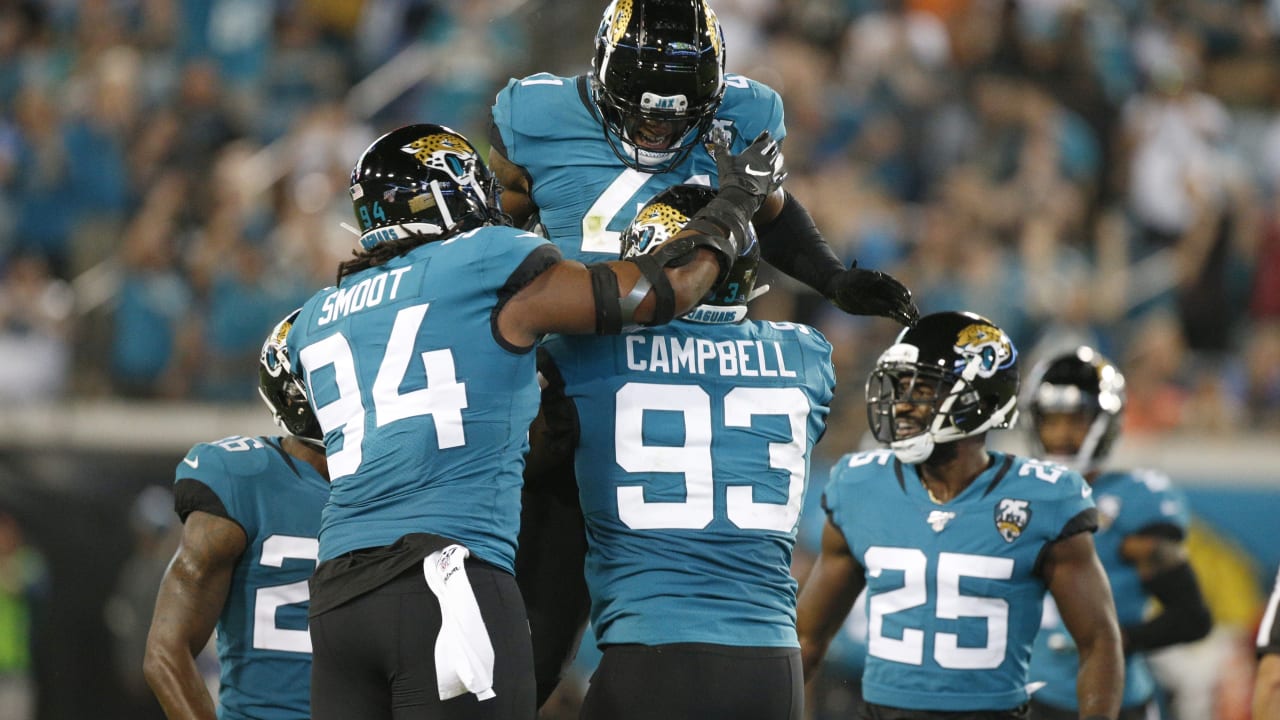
[(956, 545), (692, 457), (251, 512)]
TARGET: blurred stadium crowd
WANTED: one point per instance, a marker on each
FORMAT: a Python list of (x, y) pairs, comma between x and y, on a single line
[(173, 175)]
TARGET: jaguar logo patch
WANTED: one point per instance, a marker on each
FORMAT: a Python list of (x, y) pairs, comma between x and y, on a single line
[(1012, 517)]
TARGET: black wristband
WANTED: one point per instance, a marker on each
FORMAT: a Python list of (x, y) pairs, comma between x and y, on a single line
[(604, 290)]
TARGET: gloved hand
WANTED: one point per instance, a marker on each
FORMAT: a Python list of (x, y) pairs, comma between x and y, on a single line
[(756, 171), (871, 292), (746, 179)]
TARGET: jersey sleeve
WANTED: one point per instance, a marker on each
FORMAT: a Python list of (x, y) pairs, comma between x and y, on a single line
[(221, 471), (838, 495), (752, 107), (1155, 506), (528, 109), (505, 253), (820, 349), (501, 132), (1075, 511)]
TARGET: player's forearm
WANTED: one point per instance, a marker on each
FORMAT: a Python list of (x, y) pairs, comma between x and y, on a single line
[(1100, 682), (1266, 688), (171, 671), (812, 650)]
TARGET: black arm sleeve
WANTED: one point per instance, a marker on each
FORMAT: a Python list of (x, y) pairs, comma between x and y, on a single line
[(1184, 618), (793, 244)]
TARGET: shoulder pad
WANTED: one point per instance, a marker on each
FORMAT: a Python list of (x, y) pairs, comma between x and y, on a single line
[(230, 457), (751, 107)]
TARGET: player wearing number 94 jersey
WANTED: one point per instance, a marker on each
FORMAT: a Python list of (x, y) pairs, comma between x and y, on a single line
[(251, 512), (956, 544), (692, 456), (420, 366)]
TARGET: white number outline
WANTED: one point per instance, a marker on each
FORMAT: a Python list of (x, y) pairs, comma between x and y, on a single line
[(951, 605), (444, 398), (267, 635), (694, 459)]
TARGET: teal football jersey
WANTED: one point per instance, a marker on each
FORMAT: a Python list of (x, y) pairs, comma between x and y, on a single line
[(263, 645), (585, 194), (425, 413), (1128, 503), (692, 461), (954, 597)]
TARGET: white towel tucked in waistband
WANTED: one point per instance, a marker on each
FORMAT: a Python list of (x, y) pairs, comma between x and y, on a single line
[(464, 655)]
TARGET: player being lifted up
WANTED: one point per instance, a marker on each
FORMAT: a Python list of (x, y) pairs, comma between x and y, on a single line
[(583, 153)]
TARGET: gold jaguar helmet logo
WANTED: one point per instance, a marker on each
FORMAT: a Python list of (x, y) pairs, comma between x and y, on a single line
[(987, 344)]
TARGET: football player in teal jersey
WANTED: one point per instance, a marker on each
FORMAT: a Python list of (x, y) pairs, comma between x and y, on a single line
[(583, 153), (692, 443), (420, 367), (956, 544), (1076, 401), (250, 508)]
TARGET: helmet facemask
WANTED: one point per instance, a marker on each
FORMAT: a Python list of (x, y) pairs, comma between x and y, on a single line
[(1085, 383), (282, 391), (658, 68), (968, 388)]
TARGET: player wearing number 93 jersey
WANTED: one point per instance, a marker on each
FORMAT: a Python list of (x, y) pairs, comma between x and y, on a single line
[(692, 458), (251, 513), (956, 545)]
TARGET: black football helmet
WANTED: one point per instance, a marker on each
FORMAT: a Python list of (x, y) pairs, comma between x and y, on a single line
[(282, 391), (423, 181), (1081, 380), (665, 215), (657, 60), (970, 365)]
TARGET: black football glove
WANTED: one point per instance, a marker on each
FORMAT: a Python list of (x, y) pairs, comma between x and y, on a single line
[(757, 171), (871, 292), (746, 179)]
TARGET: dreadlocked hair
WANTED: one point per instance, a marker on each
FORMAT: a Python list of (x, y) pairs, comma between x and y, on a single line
[(388, 249), (379, 255)]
